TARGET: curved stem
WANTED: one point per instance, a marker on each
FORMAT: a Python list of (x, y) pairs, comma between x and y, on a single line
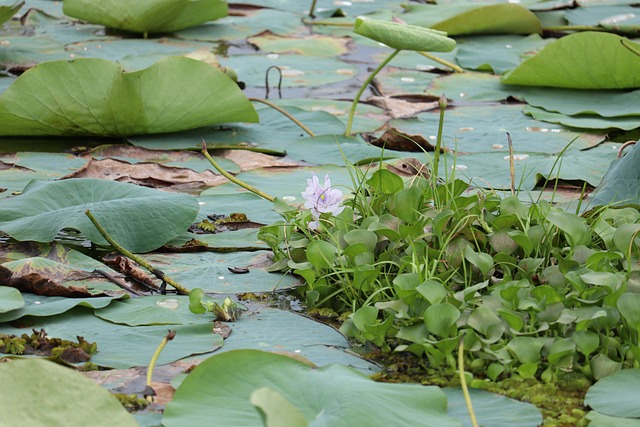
[(233, 178), (463, 384), (444, 62), (285, 113), (152, 364), (366, 83), (156, 272)]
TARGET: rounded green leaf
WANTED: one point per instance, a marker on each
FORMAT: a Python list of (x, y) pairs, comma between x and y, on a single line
[(404, 37), (138, 218), (366, 237), (90, 96), (147, 16), (221, 389), (439, 318), (42, 393), (616, 395), (408, 202), (7, 11), (587, 60), (629, 307), (574, 227), (321, 254), (10, 299)]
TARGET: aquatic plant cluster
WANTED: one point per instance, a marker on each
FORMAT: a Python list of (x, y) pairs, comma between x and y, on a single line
[(418, 266)]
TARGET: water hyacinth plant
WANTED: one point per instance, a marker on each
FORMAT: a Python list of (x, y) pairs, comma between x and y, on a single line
[(321, 199)]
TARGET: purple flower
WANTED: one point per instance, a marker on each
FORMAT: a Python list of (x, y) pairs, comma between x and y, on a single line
[(322, 198)]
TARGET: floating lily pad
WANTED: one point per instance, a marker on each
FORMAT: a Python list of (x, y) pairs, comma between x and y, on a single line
[(333, 395), (124, 210), (41, 306), (25, 52), (497, 53), (121, 346), (210, 271), (583, 121), (315, 45), (151, 16), (614, 395), (45, 393), (171, 95), (228, 241), (605, 103), (472, 18), (271, 329), (150, 310), (588, 60)]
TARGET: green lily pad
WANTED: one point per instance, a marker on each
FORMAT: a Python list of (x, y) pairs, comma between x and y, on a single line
[(492, 409), (44, 208), (614, 395), (597, 419), (588, 60), (41, 306), (472, 18), (272, 329), (605, 103), (10, 299), (497, 53), (583, 121), (26, 52), (621, 18), (228, 241), (150, 310), (54, 395), (154, 16), (472, 86), (171, 95), (315, 45), (333, 395), (120, 346), (210, 271), (54, 165)]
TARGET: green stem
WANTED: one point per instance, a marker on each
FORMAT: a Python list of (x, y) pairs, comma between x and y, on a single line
[(366, 83), (626, 44), (285, 113), (312, 9), (154, 359), (442, 103), (463, 384), (444, 62), (156, 272), (233, 178)]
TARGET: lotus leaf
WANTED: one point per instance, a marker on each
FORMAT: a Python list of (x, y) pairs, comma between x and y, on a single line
[(10, 299), (404, 37), (620, 186), (616, 395), (140, 219), (473, 18), (96, 97), (588, 60), (42, 393), (147, 16), (221, 388)]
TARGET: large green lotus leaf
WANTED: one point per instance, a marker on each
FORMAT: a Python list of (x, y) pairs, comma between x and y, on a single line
[(472, 18), (220, 389), (7, 11), (210, 271), (120, 346), (43, 393), (150, 310), (621, 185), (239, 27), (497, 53), (596, 419), (41, 306), (404, 37), (272, 329), (140, 219), (605, 103), (588, 60), (615, 395), (147, 16), (10, 300), (95, 97), (492, 409), (583, 121)]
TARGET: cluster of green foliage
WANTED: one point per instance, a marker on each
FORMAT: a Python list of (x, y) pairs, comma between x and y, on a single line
[(532, 290), (55, 348)]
